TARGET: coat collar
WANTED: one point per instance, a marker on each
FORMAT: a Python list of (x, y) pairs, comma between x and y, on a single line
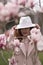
[(30, 48), (22, 47)]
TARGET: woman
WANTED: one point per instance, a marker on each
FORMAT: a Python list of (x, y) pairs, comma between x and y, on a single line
[(25, 53)]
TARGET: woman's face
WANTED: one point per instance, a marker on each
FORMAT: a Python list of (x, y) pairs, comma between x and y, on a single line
[(25, 31)]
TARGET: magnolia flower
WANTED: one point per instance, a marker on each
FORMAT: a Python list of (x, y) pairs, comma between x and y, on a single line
[(4, 14), (8, 6), (17, 51), (1, 5), (30, 3), (16, 42), (14, 1), (12, 8), (12, 43), (22, 2), (2, 41), (40, 45), (12, 61), (15, 10), (2, 18), (36, 34)]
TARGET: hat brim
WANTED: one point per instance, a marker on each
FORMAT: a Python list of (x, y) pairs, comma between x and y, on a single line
[(21, 27)]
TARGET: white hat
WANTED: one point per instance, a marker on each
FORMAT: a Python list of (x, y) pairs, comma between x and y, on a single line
[(25, 22)]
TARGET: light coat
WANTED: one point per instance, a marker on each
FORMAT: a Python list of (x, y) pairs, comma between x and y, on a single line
[(29, 56)]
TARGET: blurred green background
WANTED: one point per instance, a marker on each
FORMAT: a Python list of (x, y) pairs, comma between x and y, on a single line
[(4, 55)]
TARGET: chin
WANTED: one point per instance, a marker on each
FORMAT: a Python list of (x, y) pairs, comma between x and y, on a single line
[(25, 35)]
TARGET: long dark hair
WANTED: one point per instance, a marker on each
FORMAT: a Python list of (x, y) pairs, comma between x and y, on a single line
[(18, 34)]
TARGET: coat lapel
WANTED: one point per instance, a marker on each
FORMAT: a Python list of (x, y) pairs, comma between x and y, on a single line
[(30, 48), (22, 47)]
